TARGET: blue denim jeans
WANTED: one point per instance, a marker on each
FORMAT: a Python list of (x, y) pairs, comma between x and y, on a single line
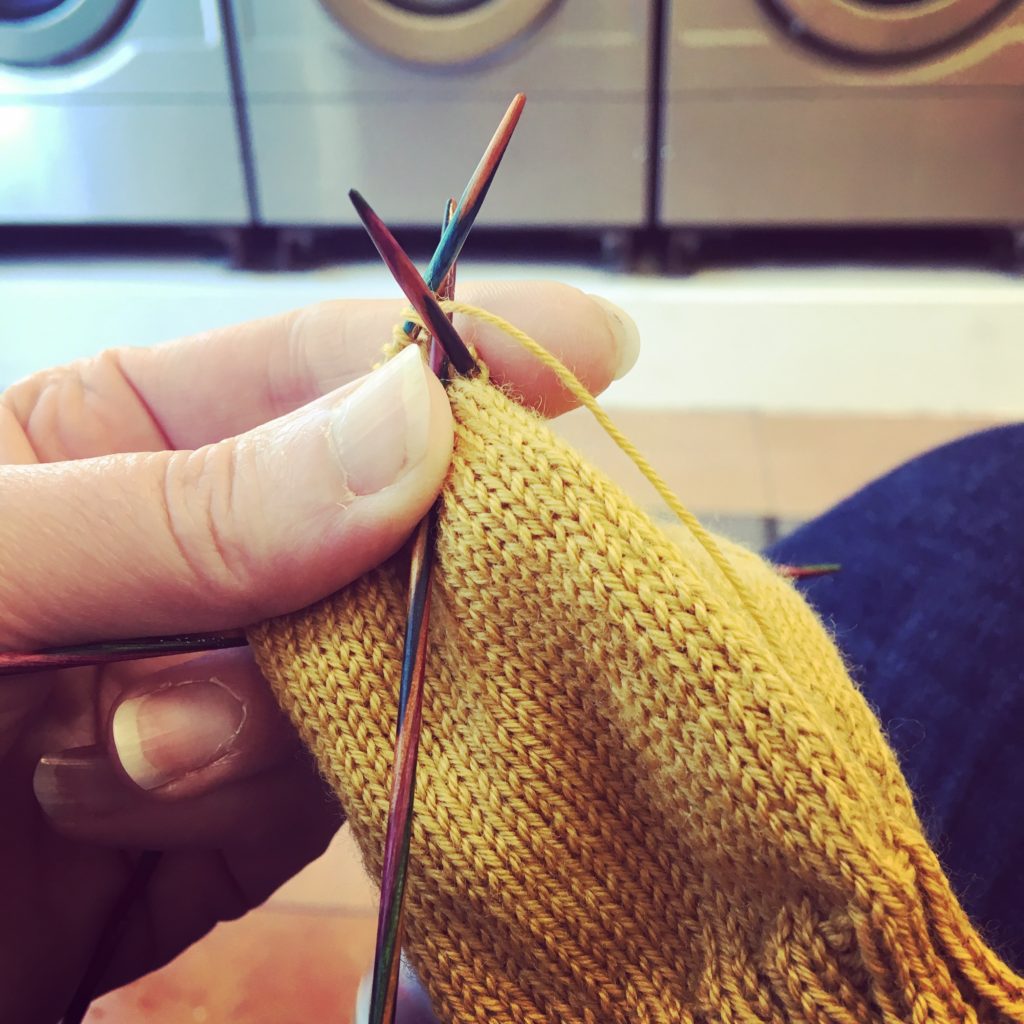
[(929, 611)]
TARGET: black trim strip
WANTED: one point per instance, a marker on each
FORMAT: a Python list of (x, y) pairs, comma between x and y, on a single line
[(230, 30), (656, 87)]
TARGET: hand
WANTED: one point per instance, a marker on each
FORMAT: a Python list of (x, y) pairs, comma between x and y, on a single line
[(204, 484)]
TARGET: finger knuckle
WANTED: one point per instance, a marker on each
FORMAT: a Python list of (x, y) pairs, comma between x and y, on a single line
[(207, 527), (72, 411), (43, 403)]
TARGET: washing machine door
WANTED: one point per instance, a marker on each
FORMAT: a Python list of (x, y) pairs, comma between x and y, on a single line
[(39, 33), (440, 32), (885, 30)]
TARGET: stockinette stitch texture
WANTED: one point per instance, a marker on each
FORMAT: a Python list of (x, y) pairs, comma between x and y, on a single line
[(644, 793)]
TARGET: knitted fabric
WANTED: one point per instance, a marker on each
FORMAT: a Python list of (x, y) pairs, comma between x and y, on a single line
[(643, 794)]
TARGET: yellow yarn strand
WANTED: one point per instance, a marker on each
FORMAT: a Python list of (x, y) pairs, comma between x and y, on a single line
[(579, 392)]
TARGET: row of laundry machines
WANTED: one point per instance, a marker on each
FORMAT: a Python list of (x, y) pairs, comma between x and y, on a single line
[(641, 112)]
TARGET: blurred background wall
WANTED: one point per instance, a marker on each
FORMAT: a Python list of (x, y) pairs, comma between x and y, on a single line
[(673, 119)]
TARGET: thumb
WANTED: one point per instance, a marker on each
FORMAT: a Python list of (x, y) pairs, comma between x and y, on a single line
[(260, 524)]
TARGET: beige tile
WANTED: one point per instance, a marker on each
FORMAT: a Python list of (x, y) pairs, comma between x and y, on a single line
[(710, 460), (814, 461), (745, 463), (268, 967), (337, 881)]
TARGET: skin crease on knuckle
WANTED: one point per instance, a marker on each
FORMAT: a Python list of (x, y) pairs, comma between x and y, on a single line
[(73, 411), (205, 524), (41, 403)]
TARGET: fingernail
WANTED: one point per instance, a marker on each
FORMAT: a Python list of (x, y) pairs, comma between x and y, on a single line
[(79, 784), (380, 431), (625, 333), (166, 734)]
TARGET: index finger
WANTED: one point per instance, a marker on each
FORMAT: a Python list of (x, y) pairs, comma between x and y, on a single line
[(214, 385), (211, 386)]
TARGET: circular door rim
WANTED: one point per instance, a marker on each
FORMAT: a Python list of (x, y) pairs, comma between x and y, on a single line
[(67, 31), (881, 32), (439, 40)]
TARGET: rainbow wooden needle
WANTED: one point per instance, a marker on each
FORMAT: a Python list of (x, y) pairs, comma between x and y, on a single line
[(461, 222), (106, 651), (415, 288), (457, 229), (390, 921), (445, 345), (804, 572)]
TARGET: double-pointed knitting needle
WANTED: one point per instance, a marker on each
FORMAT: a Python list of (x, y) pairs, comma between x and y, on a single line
[(387, 959), (453, 238), (804, 572), (106, 651), (461, 221), (445, 342), (415, 288)]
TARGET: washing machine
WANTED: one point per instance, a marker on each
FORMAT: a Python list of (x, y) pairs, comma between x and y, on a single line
[(399, 97), (880, 112), (117, 112)]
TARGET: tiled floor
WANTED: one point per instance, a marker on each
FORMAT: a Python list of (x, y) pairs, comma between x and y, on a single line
[(757, 463), (300, 957)]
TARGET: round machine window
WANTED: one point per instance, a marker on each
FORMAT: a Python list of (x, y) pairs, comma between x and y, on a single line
[(439, 33), (39, 33), (440, 7), (18, 10), (886, 31)]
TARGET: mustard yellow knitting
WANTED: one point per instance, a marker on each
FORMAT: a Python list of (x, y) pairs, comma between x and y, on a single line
[(643, 794)]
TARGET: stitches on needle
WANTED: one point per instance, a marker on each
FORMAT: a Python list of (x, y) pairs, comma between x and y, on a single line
[(582, 395)]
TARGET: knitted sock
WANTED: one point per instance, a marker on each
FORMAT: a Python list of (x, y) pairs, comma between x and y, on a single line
[(644, 793)]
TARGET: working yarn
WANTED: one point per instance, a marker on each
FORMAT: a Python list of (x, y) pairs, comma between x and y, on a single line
[(647, 788)]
